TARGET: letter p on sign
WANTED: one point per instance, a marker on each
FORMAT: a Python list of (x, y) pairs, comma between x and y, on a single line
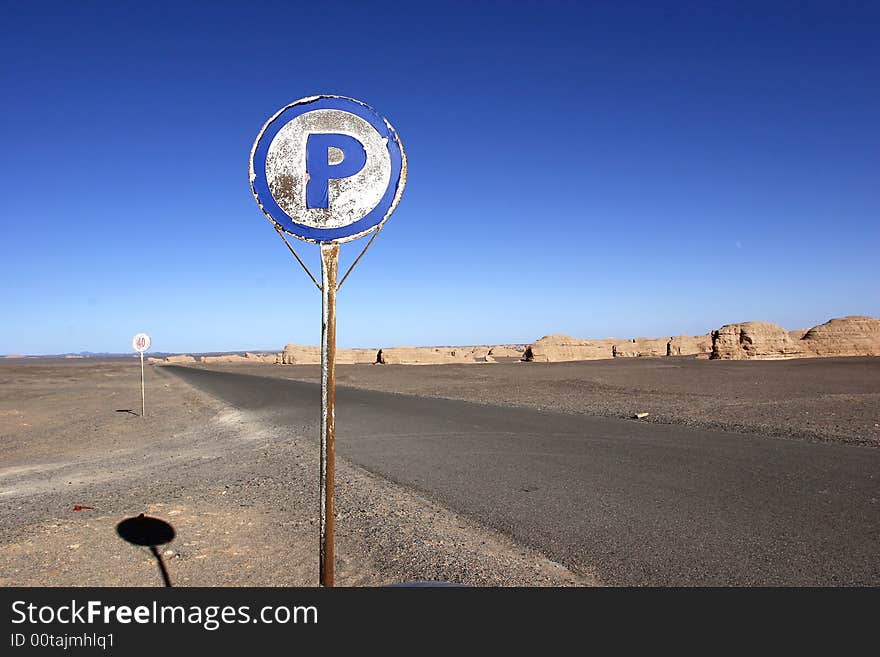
[(330, 156)]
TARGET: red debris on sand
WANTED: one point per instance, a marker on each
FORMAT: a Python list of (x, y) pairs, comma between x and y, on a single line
[(77, 507)]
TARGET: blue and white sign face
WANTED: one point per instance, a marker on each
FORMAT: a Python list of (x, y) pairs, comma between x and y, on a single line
[(328, 169)]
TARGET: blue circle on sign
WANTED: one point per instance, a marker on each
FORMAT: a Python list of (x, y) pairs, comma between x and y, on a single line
[(375, 218)]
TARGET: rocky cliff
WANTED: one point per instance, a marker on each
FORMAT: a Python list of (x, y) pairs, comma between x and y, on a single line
[(560, 348), (557, 348), (641, 347), (295, 354), (689, 345), (855, 335), (754, 341), (433, 355)]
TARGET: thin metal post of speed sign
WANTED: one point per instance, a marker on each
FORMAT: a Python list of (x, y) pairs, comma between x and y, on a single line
[(327, 170), (141, 343)]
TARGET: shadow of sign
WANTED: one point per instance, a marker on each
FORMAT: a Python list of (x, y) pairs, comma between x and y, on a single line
[(148, 532)]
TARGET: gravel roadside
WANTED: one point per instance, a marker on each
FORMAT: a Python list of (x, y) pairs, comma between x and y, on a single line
[(241, 496)]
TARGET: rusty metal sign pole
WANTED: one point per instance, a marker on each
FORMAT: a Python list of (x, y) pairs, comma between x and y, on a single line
[(327, 169), (141, 343), (329, 270), (143, 396)]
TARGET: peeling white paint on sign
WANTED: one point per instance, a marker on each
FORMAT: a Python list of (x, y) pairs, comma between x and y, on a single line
[(350, 198), (358, 169)]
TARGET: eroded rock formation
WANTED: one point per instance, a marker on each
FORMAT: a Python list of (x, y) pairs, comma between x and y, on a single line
[(754, 341), (689, 345), (179, 359), (855, 335), (295, 354), (506, 351), (182, 358), (226, 358), (355, 356), (432, 355), (560, 348), (641, 347), (261, 358)]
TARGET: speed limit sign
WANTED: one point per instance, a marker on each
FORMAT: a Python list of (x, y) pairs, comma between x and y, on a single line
[(141, 342)]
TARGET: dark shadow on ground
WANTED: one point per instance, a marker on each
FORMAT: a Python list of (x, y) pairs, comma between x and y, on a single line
[(148, 532)]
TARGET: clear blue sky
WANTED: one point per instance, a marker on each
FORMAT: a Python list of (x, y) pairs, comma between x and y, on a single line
[(593, 168)]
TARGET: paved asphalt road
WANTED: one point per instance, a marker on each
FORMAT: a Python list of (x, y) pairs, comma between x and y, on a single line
[(632, 503)]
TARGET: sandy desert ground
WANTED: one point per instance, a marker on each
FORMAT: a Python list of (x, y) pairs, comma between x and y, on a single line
[(243, 498)]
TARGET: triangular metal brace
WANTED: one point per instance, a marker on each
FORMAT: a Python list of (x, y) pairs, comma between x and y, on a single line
[(296, 255), (280, 232), (361, 255)]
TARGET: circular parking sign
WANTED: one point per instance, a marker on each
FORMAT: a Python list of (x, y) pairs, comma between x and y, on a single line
[(141, 342), (327, 169)]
